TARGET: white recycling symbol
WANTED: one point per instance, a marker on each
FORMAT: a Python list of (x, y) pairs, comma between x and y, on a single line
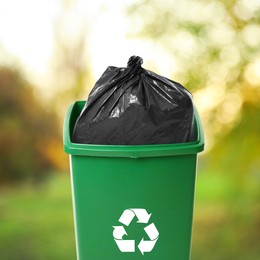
[(129, 245)]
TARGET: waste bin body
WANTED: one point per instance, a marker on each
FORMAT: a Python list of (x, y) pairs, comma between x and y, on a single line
[(116, 188)]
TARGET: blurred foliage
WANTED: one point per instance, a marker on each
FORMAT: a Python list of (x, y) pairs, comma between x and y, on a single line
[(238, 152), (30, 136), (211, 41), (71, 71)]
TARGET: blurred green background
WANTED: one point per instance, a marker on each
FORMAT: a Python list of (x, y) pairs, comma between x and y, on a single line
[(51, 54)]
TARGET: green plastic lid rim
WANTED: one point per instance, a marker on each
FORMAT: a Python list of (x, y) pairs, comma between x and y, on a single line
[(130, 151)]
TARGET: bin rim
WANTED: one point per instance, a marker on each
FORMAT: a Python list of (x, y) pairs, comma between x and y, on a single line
[(130, 151)]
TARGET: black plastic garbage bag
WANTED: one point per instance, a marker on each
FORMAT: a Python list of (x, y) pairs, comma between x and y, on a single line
[(135, 106)]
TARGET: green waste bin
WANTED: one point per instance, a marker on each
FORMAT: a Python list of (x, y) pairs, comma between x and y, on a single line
[(135, 201)]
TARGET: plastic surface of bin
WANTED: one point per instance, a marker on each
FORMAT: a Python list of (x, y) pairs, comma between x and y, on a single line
[(116, 188)]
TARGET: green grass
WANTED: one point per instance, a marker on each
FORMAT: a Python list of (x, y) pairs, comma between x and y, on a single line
[(37, 223), (226, 218)]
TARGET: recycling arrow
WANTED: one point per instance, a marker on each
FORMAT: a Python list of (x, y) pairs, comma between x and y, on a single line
[(126, 245), (119, 232), (146, 246), (129, 245), (128, 215), (142, 215), (151, 231), (123, 245)]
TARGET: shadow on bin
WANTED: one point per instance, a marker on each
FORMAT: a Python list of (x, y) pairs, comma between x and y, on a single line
[(132, 201)]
